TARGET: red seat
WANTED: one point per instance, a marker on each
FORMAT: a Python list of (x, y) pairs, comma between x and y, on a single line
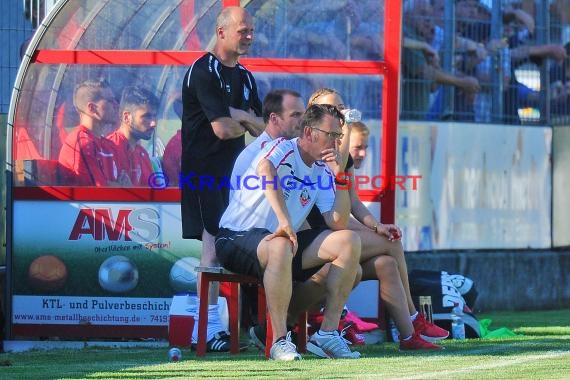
[(209, 274)]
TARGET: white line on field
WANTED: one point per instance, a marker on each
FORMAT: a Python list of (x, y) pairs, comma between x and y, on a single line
[(503, 362)]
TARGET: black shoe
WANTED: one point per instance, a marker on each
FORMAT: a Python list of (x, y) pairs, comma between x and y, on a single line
[(219, 343), (257, 336)]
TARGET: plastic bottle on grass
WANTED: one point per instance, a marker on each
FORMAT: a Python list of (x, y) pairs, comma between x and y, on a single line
[(457, 324)]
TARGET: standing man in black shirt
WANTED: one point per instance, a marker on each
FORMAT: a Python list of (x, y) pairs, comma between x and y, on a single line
[(220, 104)]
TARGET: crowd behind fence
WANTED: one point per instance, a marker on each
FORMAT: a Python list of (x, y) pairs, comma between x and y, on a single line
[(480, 61), (487, 61)]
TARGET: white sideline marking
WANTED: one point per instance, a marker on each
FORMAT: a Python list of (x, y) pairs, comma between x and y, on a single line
[(504, 362)]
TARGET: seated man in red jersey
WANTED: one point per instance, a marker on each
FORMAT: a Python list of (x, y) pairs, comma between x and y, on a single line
[(137, 112), (86, 157)]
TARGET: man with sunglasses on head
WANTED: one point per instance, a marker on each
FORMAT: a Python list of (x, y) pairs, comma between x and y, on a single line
[(261, 231)]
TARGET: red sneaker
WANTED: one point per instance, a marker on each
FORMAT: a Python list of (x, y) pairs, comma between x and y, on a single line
[(417, 343), (428, 330), (350, 332), (314, 320), (361, 325)]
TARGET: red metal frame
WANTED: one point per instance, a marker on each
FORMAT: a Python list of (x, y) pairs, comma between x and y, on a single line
[(390, 104), (389, 68), (112, 194), (182, 58), (109, 57), (390, 116), (128, 57)]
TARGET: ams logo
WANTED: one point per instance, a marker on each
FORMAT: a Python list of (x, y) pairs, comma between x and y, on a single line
[(139, 225)]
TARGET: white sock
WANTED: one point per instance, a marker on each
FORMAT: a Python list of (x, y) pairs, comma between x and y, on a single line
[(214, 324), (323, 336), (413, 316), (325, 333)]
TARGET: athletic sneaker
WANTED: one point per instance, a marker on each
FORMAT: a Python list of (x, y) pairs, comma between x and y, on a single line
[(331, 346), (258, 333), (352, 335), (360, 324), (428, 330), (219, 343), (416, 342), (284, 350)]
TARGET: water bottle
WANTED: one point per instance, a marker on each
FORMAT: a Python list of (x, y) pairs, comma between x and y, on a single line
[(352, 115), (457, 324), (174, 354)]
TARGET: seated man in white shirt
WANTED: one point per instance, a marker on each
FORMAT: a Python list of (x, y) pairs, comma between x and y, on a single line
[(261, 231), (382, 258)]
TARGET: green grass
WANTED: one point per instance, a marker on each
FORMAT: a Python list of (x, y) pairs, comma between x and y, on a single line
[(543, 352)]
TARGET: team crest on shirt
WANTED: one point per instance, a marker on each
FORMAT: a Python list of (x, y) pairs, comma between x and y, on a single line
[(245, 92), (304, 198)]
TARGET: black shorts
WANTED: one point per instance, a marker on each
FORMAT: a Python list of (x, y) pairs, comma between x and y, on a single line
[(316, 219), (237, 251), (202, 206)]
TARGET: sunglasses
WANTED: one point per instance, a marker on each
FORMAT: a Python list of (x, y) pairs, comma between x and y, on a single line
[(331, 135)]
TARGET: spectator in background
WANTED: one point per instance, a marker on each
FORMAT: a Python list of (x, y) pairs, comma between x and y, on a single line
[(366, 31), (560, 86), (519, 29), (481, 56), (301, 29), (86, 157), (559, 19), (137, 111), (321, 33), (220, 104), (419, 72)]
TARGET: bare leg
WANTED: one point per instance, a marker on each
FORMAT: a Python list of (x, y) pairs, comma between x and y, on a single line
[(374, 244), (209, 259), (384, 268), (310, 295), (276, 257), (342, 250)]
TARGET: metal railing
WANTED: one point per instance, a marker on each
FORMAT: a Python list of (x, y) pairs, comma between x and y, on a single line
[(504, 63)]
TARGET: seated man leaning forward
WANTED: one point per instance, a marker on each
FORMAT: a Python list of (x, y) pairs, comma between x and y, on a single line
[(260, 230)]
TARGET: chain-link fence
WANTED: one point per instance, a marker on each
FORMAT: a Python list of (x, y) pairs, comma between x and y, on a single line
[(468, 60), (486, 61)]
